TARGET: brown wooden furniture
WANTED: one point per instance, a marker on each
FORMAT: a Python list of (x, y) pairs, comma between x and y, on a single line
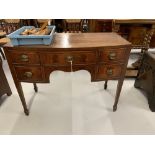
[(137, 31), (146, 78), (100, 25), (152, 42), (2, 35), (104, 55), (7, 26), (11, 25), (4, 86), (73, 25), (40, 22)]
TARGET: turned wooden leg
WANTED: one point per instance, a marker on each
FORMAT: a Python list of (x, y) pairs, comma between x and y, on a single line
[(22, 98), (105, 84), (35, 87), (2, 53), (119, 87)]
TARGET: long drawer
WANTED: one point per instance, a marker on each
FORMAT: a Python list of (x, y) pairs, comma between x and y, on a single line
[(64, 58)]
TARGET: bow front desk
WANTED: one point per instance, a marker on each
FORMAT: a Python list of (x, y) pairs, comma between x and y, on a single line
[(104, 55)]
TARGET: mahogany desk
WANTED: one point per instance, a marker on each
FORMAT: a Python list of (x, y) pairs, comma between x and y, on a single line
[(104, 55)]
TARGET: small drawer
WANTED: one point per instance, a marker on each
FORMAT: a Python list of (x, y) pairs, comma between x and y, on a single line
[(28, 73), (65, 58), (25, 58), (109, 71), (112, 55)]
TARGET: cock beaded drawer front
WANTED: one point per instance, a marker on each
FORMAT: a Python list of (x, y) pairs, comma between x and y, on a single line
[(62, 58), (29, 74), (25, 57), (105, 57), (104, 63), (112, 55)]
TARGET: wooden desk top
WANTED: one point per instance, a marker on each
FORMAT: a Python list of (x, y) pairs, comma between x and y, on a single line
[(82, 40)]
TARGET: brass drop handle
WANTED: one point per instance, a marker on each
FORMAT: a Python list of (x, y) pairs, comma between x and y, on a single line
[(109, 71), (28, 74), (69, 58), (112, 56), (24, 58)]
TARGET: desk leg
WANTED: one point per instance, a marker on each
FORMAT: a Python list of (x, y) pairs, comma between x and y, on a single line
[(35, 87), (119, 87), (21, 95), (105, 84)]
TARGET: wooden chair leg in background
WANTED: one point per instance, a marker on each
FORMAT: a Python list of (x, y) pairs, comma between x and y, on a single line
[(4, 85)]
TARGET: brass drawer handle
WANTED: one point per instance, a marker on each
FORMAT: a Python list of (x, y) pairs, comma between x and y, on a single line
[(69, 58), (112, 56), (109, 71), (28, 74), (24, 58)]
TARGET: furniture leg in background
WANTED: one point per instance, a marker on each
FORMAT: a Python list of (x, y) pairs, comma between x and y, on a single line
[(2, 53), (2, 35), (4, 86)]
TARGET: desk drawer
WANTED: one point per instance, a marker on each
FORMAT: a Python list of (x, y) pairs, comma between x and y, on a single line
[(112, 55), (109, 71), (24, 58), (64, 58), (28, 73)]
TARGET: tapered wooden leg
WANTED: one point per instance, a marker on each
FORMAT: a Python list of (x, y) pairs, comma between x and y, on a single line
[(35, 87), (22, 98), (105, 84), (119, 87)]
